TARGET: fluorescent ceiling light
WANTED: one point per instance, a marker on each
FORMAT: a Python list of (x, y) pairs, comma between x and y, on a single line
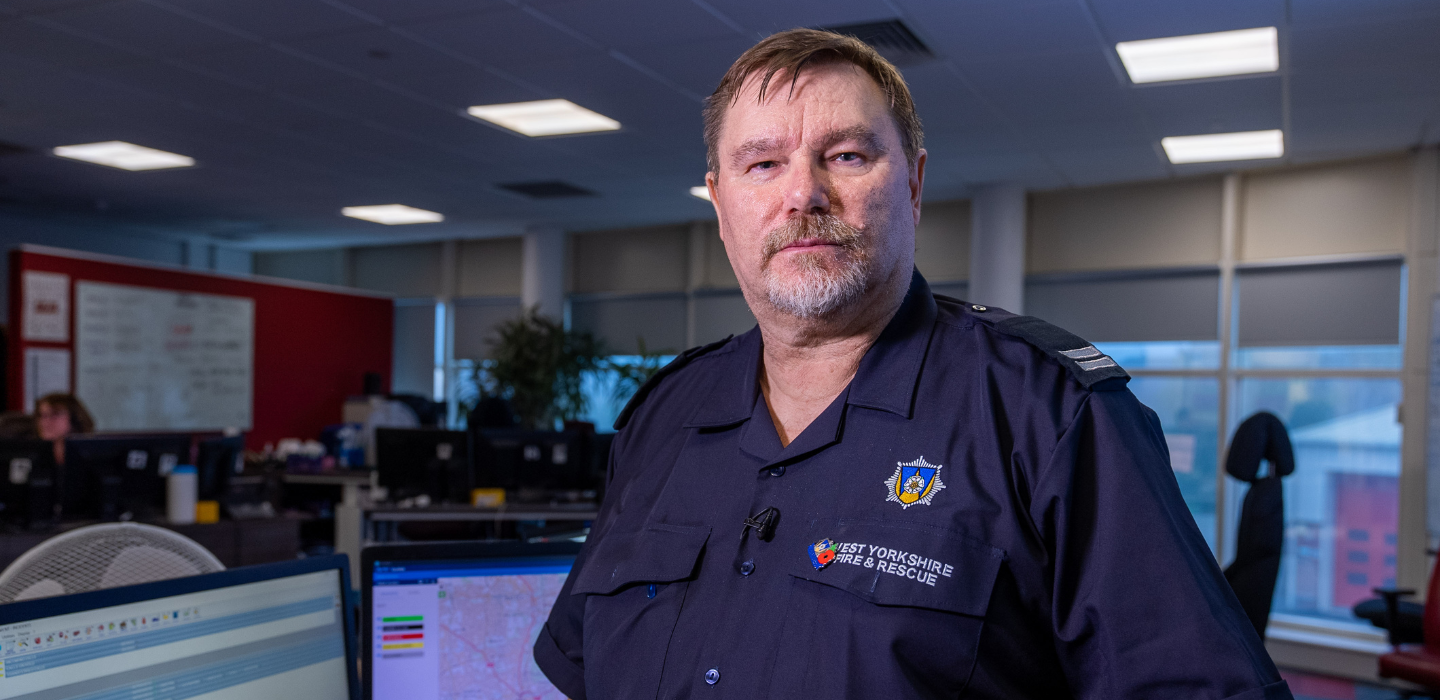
[(544, 118), (125, 156), (702, 192), (1211, 148), (392, 214), (1201, 55)]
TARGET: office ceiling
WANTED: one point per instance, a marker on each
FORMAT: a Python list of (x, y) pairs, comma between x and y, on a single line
[(296, 108)]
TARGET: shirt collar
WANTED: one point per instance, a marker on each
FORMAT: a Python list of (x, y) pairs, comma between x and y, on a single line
[(890, 370), (885, 380)]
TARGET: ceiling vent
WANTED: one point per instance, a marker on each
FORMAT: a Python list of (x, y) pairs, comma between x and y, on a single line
[(891, 38), (549, 189)]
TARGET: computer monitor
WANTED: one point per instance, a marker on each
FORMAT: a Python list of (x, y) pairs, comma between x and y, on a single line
[(270, 631), (416, 461), (532, 460), (458, 619), (109, 476), (27, 482), (216, 460)]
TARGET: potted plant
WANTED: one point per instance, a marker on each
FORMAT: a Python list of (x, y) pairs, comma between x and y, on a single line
[(537, 365)]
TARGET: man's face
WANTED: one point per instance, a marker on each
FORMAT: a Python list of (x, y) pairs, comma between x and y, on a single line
[(817, 204)]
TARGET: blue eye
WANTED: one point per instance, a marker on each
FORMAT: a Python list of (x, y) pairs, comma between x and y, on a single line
[(848, 157)]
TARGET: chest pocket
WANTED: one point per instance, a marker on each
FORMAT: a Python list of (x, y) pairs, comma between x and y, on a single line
[(895, 611), (635, 583)]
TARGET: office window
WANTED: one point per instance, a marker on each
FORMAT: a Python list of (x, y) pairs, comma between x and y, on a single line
[(604, 398), (1180, 354), (1321, 357), (1189, 410), (1342, 502)]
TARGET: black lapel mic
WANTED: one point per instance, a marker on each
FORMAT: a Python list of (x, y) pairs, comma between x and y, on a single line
[(764, 523)]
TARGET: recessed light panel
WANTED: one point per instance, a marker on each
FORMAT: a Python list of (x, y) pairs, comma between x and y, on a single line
[(1201, 55), (702, 192), (544, 118), (392, 214), (1212, 148), (125, 156)]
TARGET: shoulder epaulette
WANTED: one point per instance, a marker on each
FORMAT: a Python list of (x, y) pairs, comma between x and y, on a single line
[(675, 365), (1093, 369)]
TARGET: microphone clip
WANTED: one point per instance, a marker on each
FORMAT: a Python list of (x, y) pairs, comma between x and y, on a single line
[(764, 523)]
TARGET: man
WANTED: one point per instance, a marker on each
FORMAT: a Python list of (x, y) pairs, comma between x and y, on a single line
[(879, 492)]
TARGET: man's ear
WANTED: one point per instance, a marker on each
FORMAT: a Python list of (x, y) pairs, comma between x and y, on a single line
[(917, 183), (712, 185)]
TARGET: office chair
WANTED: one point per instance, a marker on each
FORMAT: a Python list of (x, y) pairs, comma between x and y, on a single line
[(104, 556), (1417, 663), (1261, 533)]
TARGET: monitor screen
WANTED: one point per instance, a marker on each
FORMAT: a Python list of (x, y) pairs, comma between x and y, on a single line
[(281, 637), (426, 461), (456, 628)]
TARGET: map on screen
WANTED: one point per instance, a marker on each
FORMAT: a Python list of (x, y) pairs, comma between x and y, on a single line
[(462, 630), (480, 620)]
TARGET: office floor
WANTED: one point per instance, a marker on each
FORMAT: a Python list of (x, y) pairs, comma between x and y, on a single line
[(1307, 686)]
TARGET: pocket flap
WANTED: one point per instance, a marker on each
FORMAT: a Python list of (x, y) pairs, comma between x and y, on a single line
[(907, 564), (658, 553)]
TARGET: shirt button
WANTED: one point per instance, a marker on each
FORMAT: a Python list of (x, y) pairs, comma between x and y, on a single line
[(747, 568), (712, 676), (979, 308), (777, 471), (650, 592)]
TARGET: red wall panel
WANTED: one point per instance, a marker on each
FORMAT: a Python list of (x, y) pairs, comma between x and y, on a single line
[(312, 346)]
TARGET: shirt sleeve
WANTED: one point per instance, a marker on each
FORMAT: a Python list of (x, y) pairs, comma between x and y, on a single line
[(1139, 606), (559, 648)]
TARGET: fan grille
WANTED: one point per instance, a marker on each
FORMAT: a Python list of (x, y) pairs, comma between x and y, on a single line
[(104, 556)]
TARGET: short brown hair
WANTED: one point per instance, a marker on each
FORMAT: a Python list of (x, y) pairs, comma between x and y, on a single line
[(80, 420), (792, 50)]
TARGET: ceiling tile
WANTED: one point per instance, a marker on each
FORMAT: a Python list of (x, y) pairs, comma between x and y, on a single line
[(1124, 20), (1354, 128), (697, 66), (276, 19), (55, 46), (1182, 109), (144, 28), (1049, 90), (767, 17), (1319, 13), (504, 38), (635, 23), (1392, 45), (380, 53), (990, 31), (1097, 166)]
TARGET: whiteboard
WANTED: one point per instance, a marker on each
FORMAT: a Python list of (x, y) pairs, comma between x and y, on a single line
[(154, 359)]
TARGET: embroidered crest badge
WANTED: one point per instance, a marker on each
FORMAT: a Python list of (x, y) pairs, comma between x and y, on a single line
[(822, 553), (914, 482)]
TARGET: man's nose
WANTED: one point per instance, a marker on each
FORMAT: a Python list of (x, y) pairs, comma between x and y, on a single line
[(807, 190)]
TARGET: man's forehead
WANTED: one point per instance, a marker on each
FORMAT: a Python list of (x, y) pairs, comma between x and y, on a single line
[(831, 96), (832, 80)]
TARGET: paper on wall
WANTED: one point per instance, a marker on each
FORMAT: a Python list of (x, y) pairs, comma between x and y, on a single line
[(47, 371), (47, 307)]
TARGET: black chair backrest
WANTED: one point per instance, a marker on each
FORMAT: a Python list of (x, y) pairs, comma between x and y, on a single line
[(1261, 533)]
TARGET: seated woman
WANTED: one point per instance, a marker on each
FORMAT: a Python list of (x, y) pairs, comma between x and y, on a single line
[(61, 415)]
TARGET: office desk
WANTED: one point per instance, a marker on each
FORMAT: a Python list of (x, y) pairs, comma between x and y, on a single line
[(349, 521), (233, 542)]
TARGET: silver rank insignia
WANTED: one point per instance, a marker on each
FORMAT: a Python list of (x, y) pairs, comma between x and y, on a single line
[(913, 482)]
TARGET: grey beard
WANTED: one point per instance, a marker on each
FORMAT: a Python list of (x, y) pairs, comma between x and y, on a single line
[(819, 291)]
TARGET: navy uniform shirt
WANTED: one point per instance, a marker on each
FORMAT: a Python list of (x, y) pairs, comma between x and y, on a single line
[(982, 513)]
